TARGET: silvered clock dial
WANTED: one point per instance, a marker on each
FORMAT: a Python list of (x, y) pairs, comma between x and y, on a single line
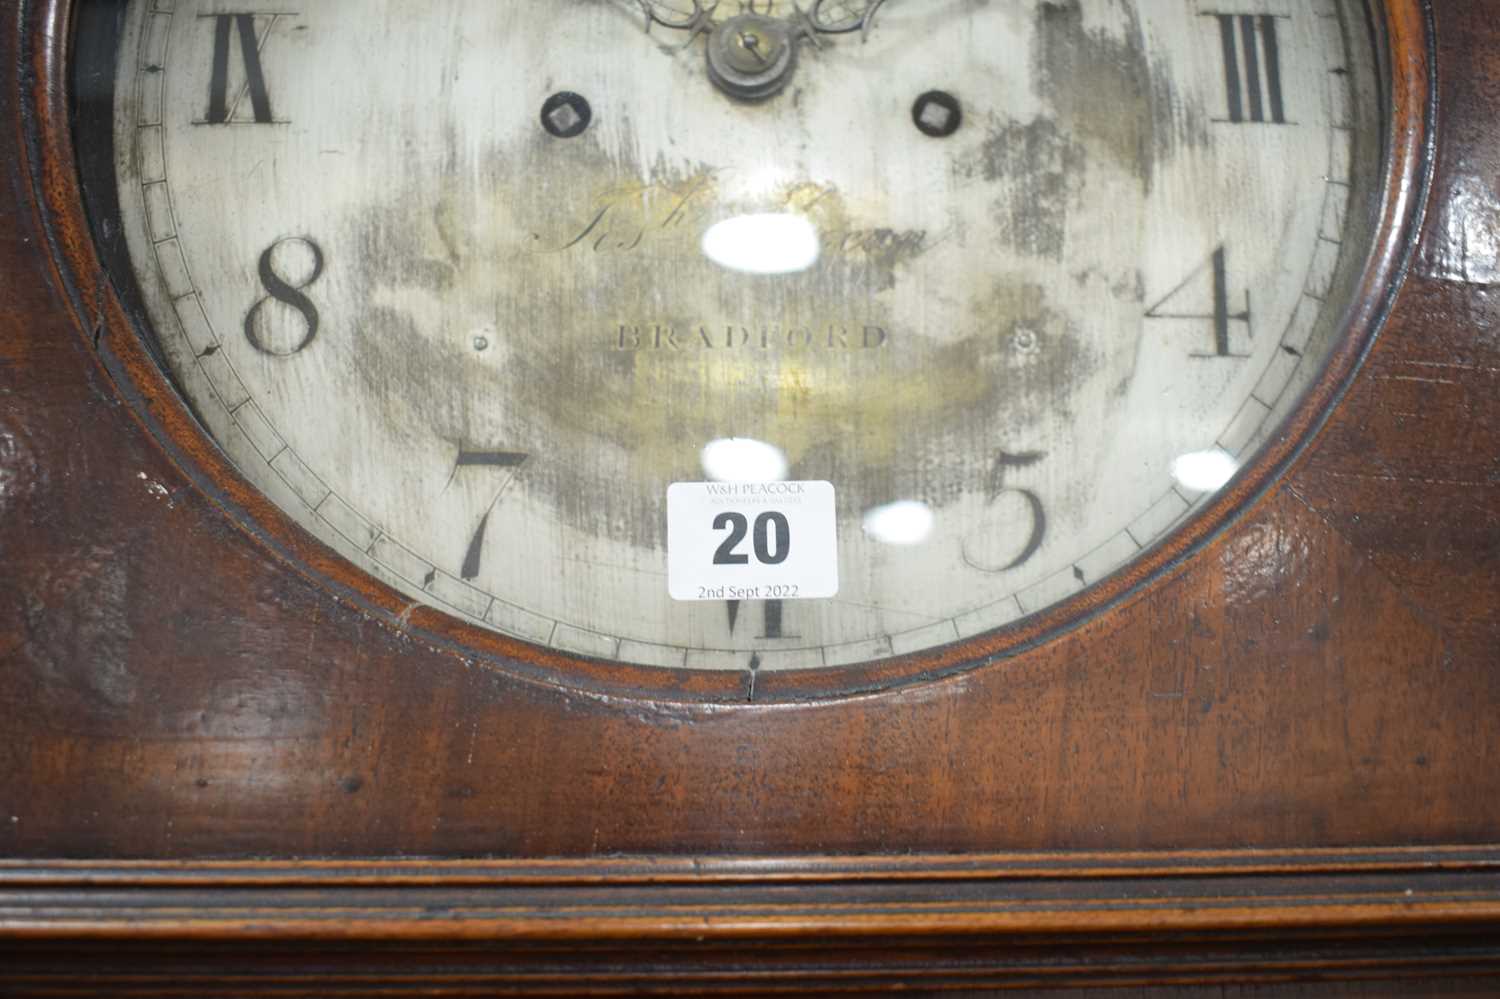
[(464, 287)]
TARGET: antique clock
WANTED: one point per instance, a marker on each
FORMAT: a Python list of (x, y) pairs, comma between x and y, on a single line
[(648, 494)]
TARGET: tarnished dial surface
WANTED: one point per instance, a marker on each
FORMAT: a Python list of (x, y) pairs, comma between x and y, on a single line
[(435, 278)]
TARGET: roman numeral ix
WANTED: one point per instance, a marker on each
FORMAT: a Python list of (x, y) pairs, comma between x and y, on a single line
[(243, 35)]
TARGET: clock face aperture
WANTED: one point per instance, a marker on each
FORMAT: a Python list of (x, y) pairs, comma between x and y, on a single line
[(465, 287)]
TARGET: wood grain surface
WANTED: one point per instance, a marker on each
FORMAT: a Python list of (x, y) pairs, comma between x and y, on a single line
[(1321, 676)]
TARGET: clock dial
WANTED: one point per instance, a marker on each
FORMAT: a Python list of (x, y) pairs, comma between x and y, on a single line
[(464, 288)]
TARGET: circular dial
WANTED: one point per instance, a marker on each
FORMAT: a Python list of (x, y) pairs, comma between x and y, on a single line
[(464, 288)]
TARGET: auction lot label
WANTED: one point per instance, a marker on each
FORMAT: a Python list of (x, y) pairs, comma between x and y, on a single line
[(751, 541)]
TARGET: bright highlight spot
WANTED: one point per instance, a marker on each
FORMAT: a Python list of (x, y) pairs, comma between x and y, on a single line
[(740, 459), (763, 244), (1204, 471), (906, 522)]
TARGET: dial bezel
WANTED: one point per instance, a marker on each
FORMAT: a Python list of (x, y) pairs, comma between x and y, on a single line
[(122, 336)]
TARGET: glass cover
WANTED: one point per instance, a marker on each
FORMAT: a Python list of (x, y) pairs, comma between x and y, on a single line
[(464, 287)]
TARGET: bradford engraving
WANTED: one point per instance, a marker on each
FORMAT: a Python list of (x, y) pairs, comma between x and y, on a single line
[(729, 336)]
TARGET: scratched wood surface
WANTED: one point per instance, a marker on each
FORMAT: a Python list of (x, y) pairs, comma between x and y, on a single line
[(1323, 675)]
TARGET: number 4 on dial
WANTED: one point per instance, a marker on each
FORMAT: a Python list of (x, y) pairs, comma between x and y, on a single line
[(1204, 295)]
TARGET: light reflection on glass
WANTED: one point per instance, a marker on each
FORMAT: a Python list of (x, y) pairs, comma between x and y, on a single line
[(905, 522), (1204, 471), (779, 243), (741, 459)]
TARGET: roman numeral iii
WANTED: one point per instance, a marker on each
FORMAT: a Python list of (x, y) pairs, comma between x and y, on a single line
[(1252, 68)]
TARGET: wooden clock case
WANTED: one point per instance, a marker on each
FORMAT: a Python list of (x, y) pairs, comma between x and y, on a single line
[(228, 762)]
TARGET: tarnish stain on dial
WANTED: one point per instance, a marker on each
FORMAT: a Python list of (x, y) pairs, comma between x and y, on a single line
[(613, 336), (1042, 166), (1075, 63), (609, 334), (1041, 354), (1041, 171), (853, 412)]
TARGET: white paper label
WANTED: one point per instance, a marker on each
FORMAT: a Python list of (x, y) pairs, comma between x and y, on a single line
[(751, 541)]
